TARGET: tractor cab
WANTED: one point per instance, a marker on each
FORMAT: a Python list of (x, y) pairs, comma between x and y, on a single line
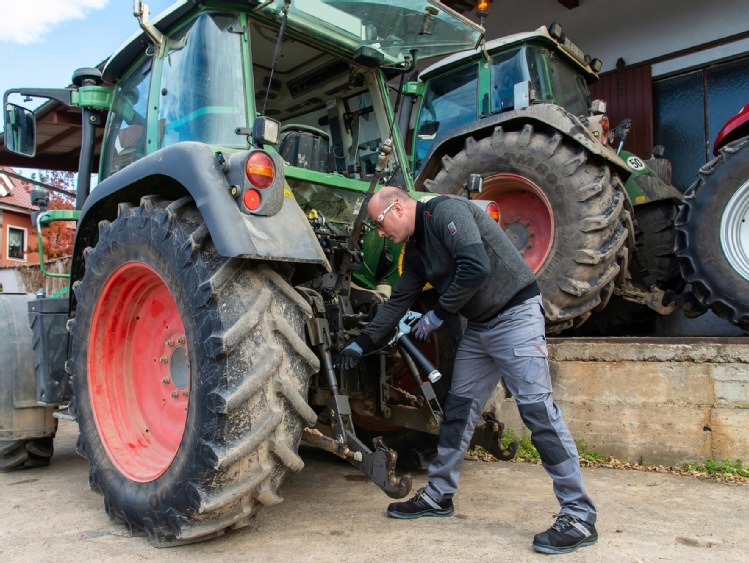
[(511, 73)]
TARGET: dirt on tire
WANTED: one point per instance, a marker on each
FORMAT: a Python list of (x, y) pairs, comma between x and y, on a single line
[(591, 223), (248, 374)]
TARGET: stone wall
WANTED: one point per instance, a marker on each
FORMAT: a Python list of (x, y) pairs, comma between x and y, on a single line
[(654, 401)]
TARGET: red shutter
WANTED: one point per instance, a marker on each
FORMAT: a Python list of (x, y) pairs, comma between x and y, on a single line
[(629, 93)]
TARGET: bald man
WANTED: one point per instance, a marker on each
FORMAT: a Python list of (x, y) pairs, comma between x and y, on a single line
[(477, 272)]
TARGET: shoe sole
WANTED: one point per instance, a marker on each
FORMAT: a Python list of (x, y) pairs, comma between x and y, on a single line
[(413, 515), (557, 550)]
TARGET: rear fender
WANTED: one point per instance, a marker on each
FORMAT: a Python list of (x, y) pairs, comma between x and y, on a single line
[(551, 116), (643, 186), (192, 169), (735, 128)]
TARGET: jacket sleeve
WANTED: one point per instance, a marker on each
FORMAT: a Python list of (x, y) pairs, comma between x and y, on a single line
[(407, 289), (455, 227)]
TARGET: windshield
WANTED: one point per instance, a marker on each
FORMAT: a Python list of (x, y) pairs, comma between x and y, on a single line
[(390, 27), (569, 87), (511, 67), (449, 101), (202, 94)]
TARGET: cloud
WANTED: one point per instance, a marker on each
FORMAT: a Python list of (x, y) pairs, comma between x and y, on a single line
[(29, 21)]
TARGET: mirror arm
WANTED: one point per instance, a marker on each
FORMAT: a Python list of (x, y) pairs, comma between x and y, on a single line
[(62, 95)]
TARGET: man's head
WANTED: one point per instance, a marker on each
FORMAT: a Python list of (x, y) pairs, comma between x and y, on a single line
[(393, 213)]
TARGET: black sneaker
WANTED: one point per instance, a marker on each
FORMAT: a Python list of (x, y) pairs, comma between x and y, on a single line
[(421, 505), (566, 535)]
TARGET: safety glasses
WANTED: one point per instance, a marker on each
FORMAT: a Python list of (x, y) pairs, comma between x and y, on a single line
[(381, 216)]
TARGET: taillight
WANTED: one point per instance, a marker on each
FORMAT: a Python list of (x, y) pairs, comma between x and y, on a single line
[(260, 172), (605, 124), (251, 199), (493, 210)]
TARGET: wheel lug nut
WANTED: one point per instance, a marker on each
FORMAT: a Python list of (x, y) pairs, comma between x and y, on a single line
[(164, 359), (166, 380), (170, 343), (181, 340), (185, 393), (175, 394)]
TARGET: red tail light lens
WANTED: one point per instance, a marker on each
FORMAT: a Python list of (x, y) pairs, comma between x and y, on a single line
[(251, 199), (605, 123), (493, 210), (260, 171)]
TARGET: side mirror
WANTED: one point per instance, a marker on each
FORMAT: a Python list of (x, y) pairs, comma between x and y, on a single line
[(20, 130)]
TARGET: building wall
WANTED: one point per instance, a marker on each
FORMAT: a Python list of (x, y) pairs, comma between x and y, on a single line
[(670, 39), (634, 30)]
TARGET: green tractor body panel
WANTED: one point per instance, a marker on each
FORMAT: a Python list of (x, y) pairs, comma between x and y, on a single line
[(642, 185)]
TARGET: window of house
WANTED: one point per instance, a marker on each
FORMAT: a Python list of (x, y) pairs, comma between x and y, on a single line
[(16, 243)]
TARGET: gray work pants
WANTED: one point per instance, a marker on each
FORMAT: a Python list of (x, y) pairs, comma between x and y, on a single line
[(511, 346)]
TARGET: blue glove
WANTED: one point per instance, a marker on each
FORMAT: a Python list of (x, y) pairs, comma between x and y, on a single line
[(350, 356), (426, 326)]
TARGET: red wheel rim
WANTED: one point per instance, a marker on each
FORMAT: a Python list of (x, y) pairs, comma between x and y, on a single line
[(526, 215), (138, 372)]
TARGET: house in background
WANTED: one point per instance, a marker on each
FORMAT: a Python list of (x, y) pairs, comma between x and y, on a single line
[(15, 229)]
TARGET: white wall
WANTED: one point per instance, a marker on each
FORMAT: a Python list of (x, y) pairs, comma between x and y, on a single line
[(635, 30), (9, 281)]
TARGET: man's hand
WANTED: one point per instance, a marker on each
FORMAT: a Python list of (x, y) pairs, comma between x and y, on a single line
[(426, 326), (350, 356)]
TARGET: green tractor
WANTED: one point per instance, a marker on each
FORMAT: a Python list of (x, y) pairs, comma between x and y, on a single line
[(518, 113), (222, 262)]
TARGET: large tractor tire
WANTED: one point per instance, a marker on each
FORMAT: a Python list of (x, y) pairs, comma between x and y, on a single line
[(712, 240), (26, 430), (653, 263), (191, 371), (655, 238), (565, 212)]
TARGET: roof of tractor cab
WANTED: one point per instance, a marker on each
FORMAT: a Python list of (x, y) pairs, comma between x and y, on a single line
[(541, 34)]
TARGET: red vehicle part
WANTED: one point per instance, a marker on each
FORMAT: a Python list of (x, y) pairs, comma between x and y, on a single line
[(140, 375), (735, 128)]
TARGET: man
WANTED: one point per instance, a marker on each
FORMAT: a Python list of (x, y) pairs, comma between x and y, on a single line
[(465, 255)]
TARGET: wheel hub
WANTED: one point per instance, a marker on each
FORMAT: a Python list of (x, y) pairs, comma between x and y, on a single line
[(519, 235), (734, 231)]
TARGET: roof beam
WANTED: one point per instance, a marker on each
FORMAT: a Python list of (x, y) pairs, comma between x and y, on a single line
[(50, 144), (39, 162)]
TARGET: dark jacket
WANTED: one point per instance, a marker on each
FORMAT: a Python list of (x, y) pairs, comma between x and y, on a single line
[(467, 258)]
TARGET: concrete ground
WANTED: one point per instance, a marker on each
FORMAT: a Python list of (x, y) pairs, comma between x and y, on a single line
[(332, 513)]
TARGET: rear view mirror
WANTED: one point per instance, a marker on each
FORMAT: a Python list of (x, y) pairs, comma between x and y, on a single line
[(20, 130)]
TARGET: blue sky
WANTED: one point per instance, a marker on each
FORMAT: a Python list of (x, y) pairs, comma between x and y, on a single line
[(43, 41)]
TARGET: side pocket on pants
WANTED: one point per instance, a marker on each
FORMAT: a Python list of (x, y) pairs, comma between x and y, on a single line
[(532, 359)]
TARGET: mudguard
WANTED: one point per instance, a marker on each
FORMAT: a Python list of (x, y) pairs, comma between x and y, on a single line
[(643, 186), (451, 141), (192, 169)]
